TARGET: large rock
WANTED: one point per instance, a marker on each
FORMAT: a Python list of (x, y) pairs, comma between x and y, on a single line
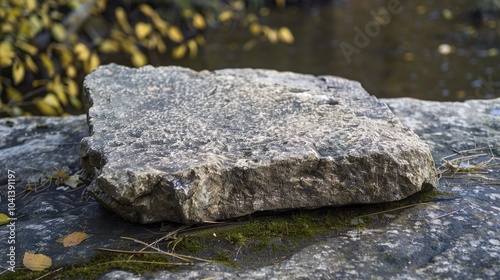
[(453, 238), (173, 144)]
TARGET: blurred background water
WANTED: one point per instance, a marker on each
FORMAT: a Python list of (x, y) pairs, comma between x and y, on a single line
[(435, 50)]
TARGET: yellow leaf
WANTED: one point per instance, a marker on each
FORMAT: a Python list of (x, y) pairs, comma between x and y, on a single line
[(61, 174), (65, 56), (138, 58), (280, 3), (17, 111), (17, 72), (56, 87), (30, 5), (179, 52), (71, 87), (30, 64), (193, 48), (92, 63), (271, 34), (58, 32), (30, 49), (199, 21), (175, 34), (187, 13), (35, 24), (249, 45), (24, 29), (75, 102), (46, 21), (147, 10), (36, 262), (254, 28), (14, 95), (73, 239), (121, 17), (71, 71), (285, 35), (200, 40), (6, 54), (49, 105), (4, 219), (225, 16), (142, 30), (73, 182), (49, 66), (81, 51), (108, 46), (160, 45)]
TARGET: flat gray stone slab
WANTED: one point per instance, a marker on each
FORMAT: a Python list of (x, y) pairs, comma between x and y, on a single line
[(172, 144)]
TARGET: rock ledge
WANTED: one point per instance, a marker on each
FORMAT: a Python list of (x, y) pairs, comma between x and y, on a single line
[(172, 144)]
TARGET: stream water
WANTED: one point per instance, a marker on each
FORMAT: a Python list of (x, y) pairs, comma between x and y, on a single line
[(423, 49)]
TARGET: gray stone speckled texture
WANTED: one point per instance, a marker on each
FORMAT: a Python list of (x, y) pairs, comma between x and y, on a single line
[(172, 144), (450, 239), (417, 244), (45, 141)]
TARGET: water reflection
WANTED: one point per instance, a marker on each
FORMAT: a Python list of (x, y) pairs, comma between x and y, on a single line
[(428, 50)]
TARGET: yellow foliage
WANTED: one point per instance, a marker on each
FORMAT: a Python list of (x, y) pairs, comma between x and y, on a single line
[(108, 46), (91, 63), (4, 219), (30, 49), (6, 54), (285, 35), (81, 51), (225, 15), (121, 17), (47, 63), (36, 262), (58, 31), (30, 64), (138, 58), (17, 72), (49, 105), (71, 87), (14, 95), (73, 239), (42, 44), (55, 86), (199, 21), (179, 51), (193, 48), (254, 28), (175, 34), (142, 30)]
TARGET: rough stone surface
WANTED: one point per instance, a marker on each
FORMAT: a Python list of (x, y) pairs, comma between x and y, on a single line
[(171, 144), (45, 141), (426, 242)]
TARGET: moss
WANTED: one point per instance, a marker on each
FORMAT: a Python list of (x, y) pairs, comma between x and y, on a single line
[(224, 257), (432, 194), (187, 243), (256, 240), (99, 265)]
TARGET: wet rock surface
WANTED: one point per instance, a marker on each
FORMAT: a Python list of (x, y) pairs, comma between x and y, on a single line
[(456, 237), (172, 144)]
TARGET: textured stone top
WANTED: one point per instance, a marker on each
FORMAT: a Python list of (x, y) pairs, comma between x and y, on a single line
[(174, 144)]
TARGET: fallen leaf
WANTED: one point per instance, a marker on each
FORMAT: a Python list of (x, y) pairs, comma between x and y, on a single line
[(73, 239), (73, 181), (36, 262), (61, 174), (4, 219)]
